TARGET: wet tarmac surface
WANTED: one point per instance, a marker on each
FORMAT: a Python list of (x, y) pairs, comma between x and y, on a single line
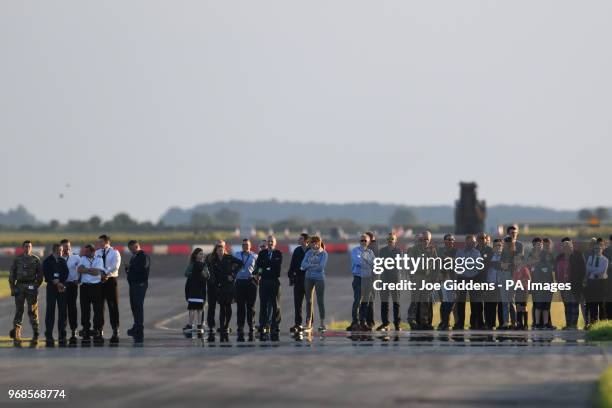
[(409, 368)]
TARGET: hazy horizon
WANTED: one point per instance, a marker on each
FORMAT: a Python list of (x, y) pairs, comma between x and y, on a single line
[(142, 106)]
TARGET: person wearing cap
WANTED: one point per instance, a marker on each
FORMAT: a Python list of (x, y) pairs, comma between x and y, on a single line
[(390, 276), (447, 296)]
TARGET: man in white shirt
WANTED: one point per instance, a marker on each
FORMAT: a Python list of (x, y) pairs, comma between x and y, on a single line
[(111, 259), (72, 286), (91, 269)]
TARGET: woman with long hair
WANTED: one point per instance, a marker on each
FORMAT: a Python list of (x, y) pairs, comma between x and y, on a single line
[(223, 268), (314, 264), (195, 291)]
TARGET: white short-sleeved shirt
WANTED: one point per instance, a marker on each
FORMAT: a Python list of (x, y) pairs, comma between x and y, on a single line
[(95, 262)]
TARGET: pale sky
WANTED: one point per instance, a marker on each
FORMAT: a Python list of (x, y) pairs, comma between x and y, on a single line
[(335, 101)]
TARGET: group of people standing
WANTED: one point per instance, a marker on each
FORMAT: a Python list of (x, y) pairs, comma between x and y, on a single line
[(504, 259), (220, 278), (90, 277)]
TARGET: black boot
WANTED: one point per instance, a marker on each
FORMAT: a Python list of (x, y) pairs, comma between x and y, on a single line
[(115, 337)]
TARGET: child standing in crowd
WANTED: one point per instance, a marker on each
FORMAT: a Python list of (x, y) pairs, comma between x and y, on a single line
[(195, 291), (313, 264), (596, 274)]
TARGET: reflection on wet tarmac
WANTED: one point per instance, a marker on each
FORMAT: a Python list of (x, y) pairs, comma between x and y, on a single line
[(337, 338)]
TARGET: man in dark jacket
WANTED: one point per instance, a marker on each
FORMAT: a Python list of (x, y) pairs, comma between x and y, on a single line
[(55, 271), (570, 267), (296, 279), (268, 268), (138, 279)]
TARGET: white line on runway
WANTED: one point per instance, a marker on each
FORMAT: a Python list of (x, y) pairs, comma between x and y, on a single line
[(162, 324)]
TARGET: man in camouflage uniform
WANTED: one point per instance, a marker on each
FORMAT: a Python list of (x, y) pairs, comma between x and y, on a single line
[(420, 311), (25, 276)]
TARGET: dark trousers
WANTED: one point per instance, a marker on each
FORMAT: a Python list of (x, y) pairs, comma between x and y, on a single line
[(71, 294), (608, 310), (571, 313), (370, 312), (225, 314), (384, 312), (596, 311), (269, 301), (246, 295), (445, 310), (91, 297), (356, 298), (110, 295), (211, 296), (138, 290), (384, 302), (476, 312), (299, 293), (460, 308), (490, 312), (54, 297)]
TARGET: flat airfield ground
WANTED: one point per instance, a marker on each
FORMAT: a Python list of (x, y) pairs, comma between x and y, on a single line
[(437, 369)]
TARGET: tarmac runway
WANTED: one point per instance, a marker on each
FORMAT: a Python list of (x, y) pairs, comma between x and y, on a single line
[(437, 369)]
